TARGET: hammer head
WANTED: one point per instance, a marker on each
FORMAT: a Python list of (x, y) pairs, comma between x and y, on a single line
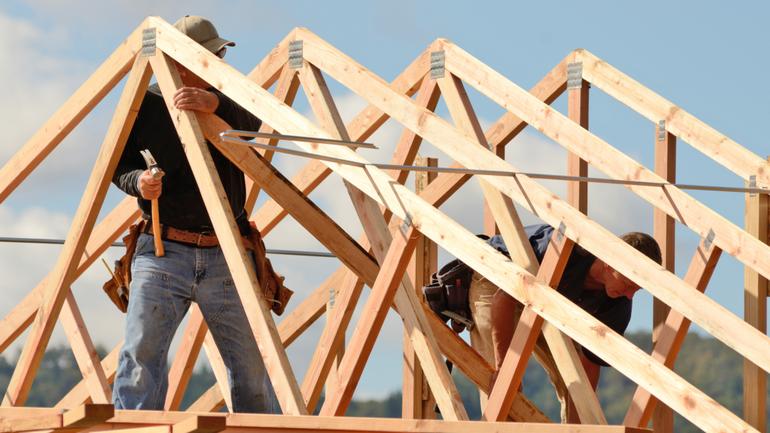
[(152, 165)]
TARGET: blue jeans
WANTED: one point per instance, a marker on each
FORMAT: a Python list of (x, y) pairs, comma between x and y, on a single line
[(161, 291)]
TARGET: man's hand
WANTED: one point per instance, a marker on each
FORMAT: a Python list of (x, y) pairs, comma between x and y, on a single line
[(196, 99), (149, 187)]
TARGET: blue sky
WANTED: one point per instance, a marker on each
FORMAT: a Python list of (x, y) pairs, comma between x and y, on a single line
[(708, 57)]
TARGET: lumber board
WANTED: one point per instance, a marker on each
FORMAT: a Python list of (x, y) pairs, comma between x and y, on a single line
[(87, 415), (79, 393), (673, 331), (244, 276), (600, 154), (84, 351), (200, 424), (511, 372), (679, 122), (66, 267), (332, 339), (268, 70), (416, 399), (673, 201), (69, 115), (755, 313), (133, 420), (577, 111), (375, 226), (310, 216), (663, 228), (370, 323), (286, 90)]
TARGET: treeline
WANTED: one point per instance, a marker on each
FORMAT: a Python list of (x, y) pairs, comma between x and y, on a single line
[(704, 362)]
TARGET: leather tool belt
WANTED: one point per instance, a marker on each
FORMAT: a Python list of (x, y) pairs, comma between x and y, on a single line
[(201, 240), (275, 293)]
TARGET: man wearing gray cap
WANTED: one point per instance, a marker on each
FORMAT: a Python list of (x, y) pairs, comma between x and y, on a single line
[(193, 268)]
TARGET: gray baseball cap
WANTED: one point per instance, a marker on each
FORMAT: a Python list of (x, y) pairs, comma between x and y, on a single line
[(203, 32)]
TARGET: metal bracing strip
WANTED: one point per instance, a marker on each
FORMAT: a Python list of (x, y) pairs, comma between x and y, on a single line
[(228, 137)]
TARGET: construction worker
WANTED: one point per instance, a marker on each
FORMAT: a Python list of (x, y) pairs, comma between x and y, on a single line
[(589, 282), (193, 268)]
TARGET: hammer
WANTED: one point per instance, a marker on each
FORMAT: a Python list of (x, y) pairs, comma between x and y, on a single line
[(156, 173)]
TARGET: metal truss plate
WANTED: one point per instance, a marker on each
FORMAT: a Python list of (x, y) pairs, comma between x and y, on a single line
[(437, 60), (295, 54), (148, 42), (575, 75)]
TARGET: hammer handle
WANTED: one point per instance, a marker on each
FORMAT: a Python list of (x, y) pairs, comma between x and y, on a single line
[(159, 251)]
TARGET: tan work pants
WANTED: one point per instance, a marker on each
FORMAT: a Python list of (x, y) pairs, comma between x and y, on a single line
[(480, 296)]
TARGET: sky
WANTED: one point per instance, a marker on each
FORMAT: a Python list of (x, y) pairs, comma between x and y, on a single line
[(708, 57)]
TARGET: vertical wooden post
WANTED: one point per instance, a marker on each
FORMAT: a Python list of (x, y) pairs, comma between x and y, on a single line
[(577, 110), (664, 233), (416, 398), (490, 226), (755, 313)]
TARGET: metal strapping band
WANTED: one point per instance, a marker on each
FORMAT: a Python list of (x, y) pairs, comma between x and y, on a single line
[(752, 184), (437, 59), (709, 239), (295, 54), (148, 42)]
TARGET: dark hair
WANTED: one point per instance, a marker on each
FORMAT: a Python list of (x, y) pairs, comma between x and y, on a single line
[(645, 244)]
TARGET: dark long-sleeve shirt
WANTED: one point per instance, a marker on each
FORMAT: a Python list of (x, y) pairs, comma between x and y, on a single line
[(180, 202), (613, 312)]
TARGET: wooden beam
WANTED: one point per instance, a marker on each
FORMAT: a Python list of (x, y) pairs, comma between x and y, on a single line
[(755, 313), (66, 268), (369, 325), (78, 395), (673, 331), (126, 421), (286, 90), (664, 231), (66, 118), (502, 208), (87, 415), (268, 70), (360, 128), (85, 353), (375, 226), (525, 336), (244, 276), (332, 339), (606, 158), (312, 218), (220, 370), (680, 123), (577, 111), (416, 399), (200, 424)]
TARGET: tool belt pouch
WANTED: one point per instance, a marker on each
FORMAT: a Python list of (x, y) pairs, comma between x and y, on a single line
[(117, 288), (275, 293)]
